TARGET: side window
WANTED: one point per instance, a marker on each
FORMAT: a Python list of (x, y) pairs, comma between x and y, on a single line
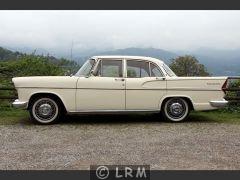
[(155, 72), (109, 68), (137, 69)]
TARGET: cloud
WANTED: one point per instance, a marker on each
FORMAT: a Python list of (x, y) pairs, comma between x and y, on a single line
[(172, 30)]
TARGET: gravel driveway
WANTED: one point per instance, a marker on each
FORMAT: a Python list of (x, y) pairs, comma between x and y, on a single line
[(80, 141)]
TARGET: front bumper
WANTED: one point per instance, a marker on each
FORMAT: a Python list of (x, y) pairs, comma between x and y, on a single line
[(219, 104), (20, 104)]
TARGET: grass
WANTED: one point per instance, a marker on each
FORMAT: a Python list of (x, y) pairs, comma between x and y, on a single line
[(10, 116), (216, 116)]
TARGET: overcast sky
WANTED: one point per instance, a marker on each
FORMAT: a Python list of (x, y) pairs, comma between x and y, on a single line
[(169, 30)]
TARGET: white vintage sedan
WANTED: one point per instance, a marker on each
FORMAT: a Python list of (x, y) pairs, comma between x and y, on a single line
[(107, 84)]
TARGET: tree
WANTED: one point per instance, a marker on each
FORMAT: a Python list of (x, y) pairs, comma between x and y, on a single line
[(188, 66), (30, 65), (67, 65)]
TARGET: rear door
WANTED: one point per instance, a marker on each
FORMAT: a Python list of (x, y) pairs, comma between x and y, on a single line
[(145, 85)]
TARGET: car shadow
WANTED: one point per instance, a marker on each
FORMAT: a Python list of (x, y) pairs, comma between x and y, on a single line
[(128, 118), (110, 118), (121, 119)]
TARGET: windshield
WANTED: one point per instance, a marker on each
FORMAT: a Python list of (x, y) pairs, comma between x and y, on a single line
[(168, 70), (86, 68)]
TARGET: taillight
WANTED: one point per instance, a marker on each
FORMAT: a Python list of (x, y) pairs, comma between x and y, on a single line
[(224, 87)]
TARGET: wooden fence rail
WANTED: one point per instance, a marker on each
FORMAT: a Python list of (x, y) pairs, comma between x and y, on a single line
[(10, 97), (7, 88)]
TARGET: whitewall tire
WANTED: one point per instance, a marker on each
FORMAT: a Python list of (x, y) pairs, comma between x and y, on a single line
[(175, 109), (45, 110)]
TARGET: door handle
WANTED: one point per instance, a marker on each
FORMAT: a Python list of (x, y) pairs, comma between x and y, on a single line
[(119, 79), (160, 78)]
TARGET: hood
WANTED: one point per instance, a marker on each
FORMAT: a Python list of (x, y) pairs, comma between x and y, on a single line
[(45, 82)]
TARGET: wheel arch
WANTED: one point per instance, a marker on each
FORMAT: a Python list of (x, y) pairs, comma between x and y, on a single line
[(187, 98), (48, 94)]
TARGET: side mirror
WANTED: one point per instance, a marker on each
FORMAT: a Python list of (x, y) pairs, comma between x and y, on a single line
[(94, 72), (67, 73), (161, 78), (90, 74)]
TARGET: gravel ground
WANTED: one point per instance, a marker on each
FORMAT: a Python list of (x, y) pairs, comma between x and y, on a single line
[(80, 141)]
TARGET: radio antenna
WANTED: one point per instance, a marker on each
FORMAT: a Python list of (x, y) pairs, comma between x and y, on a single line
[(71, 50)]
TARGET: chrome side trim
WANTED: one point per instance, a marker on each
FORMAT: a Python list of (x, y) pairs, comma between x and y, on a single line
[(113, 111), (156, 89), (219, 104), (212, 78), (20, 104)]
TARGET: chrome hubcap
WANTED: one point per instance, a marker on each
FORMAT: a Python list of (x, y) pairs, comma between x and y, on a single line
[(45, 109), (176, 109)]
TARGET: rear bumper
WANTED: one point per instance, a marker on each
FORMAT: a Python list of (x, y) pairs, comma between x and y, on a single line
[(20, 104), (219, 104)]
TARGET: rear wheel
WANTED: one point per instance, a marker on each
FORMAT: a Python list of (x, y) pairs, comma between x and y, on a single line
[(45, 110), (175, 109)]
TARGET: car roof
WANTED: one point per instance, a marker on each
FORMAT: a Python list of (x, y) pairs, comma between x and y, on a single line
[(129, 57)]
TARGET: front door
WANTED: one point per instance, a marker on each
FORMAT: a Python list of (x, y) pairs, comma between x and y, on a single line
[(145, 85), (105, 91)]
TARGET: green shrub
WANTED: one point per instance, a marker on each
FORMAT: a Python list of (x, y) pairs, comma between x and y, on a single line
[(232, 107), (31, 65)]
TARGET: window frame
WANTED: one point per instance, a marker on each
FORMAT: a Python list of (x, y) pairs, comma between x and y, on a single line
[(157, 68), (165, 69), (149, 67), (92, 67), (99, 61)]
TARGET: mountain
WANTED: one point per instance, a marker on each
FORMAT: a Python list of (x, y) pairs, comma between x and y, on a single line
[(217, 62), (218, 53), (220, 66), (28, 50), (6, 54)]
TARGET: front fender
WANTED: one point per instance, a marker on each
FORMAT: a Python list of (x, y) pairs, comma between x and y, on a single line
[(67, 96)]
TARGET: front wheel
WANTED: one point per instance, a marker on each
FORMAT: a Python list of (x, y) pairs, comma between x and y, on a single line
[(44, 110), (175, 109)]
